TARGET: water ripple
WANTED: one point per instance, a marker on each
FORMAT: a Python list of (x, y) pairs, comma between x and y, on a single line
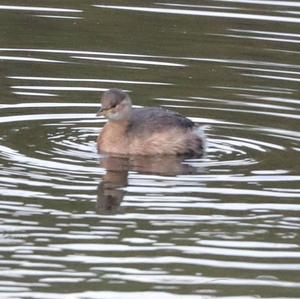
[(224, 224), (36, 8), (189, 12)]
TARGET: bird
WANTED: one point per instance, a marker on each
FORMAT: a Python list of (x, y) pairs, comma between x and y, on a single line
[(147, 131)]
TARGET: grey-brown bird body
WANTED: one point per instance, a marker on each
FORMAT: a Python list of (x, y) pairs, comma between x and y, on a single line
[(145, 131)]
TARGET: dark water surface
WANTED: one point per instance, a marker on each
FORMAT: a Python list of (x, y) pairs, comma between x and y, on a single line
[(77, 225)]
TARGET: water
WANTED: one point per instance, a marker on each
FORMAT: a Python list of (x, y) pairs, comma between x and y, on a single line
[(78, 225)]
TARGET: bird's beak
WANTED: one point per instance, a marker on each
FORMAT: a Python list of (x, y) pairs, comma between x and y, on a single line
[(100, 112)]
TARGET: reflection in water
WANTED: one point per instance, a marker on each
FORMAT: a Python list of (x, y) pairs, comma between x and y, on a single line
[(110, 192)]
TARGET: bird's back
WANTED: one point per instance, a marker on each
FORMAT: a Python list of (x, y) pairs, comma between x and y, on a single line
[(151, 131), (156, 120)]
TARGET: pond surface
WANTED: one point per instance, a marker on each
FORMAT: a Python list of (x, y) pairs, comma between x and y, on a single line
[(78, 225)]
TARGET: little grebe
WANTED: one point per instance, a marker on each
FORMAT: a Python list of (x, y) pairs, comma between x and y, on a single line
[(145, 131)]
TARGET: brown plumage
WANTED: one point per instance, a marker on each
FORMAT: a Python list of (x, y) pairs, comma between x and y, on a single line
[(145, 131)]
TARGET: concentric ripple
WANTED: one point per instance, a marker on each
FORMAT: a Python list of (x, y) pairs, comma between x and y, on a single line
[(174, 217), (64, 144), (78, 225)]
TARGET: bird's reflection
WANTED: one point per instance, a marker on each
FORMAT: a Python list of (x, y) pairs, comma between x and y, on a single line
[(111, 188)]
